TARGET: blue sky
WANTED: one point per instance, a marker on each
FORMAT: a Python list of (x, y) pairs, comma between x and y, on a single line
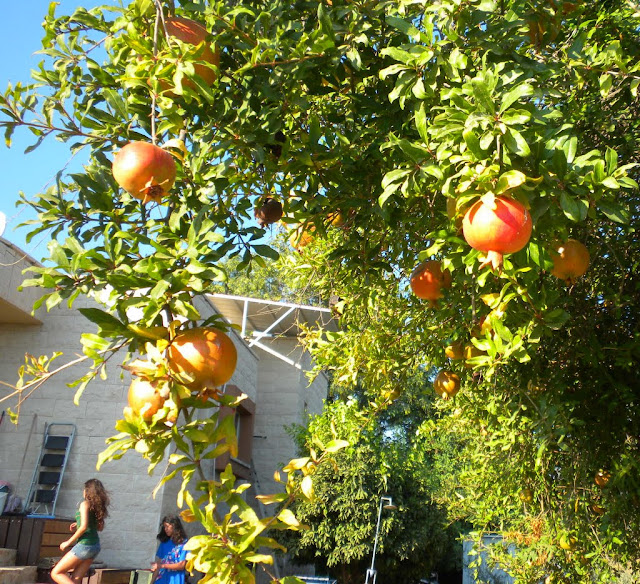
[(29, 173)]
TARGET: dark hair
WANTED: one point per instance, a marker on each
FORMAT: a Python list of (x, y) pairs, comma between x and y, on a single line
[(98, 499), (179, 534)]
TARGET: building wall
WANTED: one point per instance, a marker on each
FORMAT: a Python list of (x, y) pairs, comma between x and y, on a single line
[(285, 398), (281, 393), (99, 407), (12, 262), (129, 536)]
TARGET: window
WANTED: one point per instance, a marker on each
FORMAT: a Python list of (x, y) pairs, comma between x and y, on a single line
[(244, 422)]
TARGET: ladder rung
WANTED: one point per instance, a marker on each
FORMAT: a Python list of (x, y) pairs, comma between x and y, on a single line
[(48, 478), (57, 442), (43, 496), (52, 459)]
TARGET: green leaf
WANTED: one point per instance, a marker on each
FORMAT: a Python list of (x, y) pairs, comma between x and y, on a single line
[(336, 445), (573, 208), (570, 149), (510, 180), (421, 122), (102, 318), (611, 159), (598, 171), (516, 143), (473, 144), (395, 176), (605, 81), (515, 94), (266, 251), (482, 94), (615, 211), (399, 55), (556, 319)]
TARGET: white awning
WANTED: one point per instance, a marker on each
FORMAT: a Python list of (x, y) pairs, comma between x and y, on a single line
[(265, 318)]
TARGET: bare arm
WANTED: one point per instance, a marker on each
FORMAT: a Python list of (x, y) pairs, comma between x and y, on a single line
[(163, 566), (84, 523)]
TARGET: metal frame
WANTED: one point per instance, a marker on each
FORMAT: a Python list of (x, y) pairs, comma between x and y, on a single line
[(31, 507), (283, 309)]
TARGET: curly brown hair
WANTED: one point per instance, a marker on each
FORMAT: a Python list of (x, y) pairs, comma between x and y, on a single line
[(98, 499)]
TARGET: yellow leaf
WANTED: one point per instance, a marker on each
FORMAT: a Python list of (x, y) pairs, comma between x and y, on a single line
[(177, 144), (490, 299), (287, 517), (307, 487), (187, 516), (273, 498), (296, 464), (153, 332)]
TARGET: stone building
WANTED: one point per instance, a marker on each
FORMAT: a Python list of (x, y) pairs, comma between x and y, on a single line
[(271, 371)]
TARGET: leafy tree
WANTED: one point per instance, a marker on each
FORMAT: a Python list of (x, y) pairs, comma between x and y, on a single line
[(267, 280), (387, 113), (342, 514)]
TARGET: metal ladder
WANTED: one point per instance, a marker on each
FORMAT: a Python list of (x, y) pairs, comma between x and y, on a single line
[(49, 470)]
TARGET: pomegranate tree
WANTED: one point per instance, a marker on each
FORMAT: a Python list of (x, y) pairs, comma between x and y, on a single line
[(497, 226), (144, 170)]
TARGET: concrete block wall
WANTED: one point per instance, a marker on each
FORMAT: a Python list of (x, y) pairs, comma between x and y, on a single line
[(129, 536), (285, 398), (281, 393), (133, 515)]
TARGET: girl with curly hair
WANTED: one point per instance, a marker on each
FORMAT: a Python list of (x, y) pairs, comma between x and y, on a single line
[(171, 557), (90, 518)]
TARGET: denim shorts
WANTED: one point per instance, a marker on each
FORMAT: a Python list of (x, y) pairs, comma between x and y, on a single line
[(85, 552)]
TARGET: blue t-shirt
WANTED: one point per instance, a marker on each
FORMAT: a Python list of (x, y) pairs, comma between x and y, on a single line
[(171, 553)]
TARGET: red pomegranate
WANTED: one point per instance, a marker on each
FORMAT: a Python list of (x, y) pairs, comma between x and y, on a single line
[(428, 281), (193, 33), (570, 260), (205, 355), (497, 225), (144, 170)]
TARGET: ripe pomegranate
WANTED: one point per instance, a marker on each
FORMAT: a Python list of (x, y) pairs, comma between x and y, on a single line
[(269, 212), (570, 260), (144, 399), (301, 237), (206, 357), (455, 351), (144, 170), (497, 225), (193, 33), (446, 384), (428, 280)]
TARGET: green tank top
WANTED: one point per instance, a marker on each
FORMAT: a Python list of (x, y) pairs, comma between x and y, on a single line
[(90, 536)]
